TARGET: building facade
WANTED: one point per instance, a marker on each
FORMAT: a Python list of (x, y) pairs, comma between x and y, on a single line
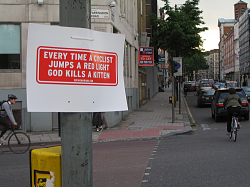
[(213, 63), (232, 45), (244, 46), (225, 26), (120, 17)]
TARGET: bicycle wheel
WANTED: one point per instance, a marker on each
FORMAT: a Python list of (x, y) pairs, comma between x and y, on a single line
[(234, 129), (235, 134), (19, 142)]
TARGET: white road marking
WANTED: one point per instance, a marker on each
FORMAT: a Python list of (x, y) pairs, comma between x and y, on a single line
[(205, 127)]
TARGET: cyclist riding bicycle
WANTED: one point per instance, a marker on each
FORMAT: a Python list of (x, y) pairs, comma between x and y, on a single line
[(7, 110), (233, 105)]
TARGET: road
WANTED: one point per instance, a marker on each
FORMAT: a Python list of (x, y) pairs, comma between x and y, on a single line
[(115, 164), (205, 157)]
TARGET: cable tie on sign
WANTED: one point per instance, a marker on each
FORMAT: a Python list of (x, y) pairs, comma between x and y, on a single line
[(81, 38)]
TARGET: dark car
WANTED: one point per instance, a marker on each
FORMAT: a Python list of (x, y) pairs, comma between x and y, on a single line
[(205, 97), (204, 86), (247, 92), (217, 108)]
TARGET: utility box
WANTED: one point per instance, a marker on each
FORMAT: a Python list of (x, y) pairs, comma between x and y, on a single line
[(170, 99), (45, 166)]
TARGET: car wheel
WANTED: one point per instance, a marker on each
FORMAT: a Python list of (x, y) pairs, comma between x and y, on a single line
[(246, 117)]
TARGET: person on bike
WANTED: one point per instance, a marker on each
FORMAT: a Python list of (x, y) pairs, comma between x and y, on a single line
[(6, 109), (233, 104)]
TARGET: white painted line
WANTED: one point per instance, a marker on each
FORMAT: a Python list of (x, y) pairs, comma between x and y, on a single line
[(146, 173), (145, 181), (148, 167), (205, 127)]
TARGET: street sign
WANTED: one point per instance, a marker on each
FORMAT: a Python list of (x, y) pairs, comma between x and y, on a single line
[(74, 70), (161, 59), (146, 56), (179, 66)]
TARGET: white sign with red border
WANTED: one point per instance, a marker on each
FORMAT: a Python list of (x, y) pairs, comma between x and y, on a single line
[(74, 70)]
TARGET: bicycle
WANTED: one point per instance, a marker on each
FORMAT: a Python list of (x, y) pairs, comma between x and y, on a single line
[(18, 142), (234, 126)]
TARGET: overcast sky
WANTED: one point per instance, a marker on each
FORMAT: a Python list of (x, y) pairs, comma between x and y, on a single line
[(212, 11)]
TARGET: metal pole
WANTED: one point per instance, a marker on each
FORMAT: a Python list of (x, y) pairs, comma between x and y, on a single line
[(173, 98), (179, 94), (76, 137), (173, 90)]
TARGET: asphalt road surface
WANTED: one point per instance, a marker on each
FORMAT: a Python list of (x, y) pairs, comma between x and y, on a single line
[(206, 157)]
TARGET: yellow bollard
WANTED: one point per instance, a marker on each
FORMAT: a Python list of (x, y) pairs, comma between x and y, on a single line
[(45, 165)]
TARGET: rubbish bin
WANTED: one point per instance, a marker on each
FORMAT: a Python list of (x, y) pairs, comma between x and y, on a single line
[(45, 166)]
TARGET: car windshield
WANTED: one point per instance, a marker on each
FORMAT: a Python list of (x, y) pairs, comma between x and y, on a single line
[(246, 89), (231, 84), (223, 95), (208, 92), (205, 85), (222, 85)]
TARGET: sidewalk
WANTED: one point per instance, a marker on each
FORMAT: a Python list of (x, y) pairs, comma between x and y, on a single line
[(152, 120)]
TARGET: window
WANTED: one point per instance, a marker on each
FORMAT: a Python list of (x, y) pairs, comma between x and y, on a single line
[(10, 46)]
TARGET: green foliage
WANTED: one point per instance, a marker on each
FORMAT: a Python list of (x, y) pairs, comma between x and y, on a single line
[(195, 63), (178, 34)]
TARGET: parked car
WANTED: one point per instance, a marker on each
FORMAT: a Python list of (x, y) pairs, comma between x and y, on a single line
[(205, 97), (217, 108), (204, 86), (247, 92)]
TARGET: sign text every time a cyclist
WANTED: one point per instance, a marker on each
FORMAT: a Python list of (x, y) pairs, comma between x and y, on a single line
[(77, 61)]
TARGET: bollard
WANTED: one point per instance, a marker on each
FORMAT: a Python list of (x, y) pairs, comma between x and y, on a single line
[(170, 99), (45, 166)]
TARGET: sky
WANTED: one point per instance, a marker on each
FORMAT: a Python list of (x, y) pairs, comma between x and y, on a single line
[(212, 11)]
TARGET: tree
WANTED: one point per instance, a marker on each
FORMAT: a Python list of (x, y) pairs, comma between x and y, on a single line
[(195, 63), (178, 34)]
